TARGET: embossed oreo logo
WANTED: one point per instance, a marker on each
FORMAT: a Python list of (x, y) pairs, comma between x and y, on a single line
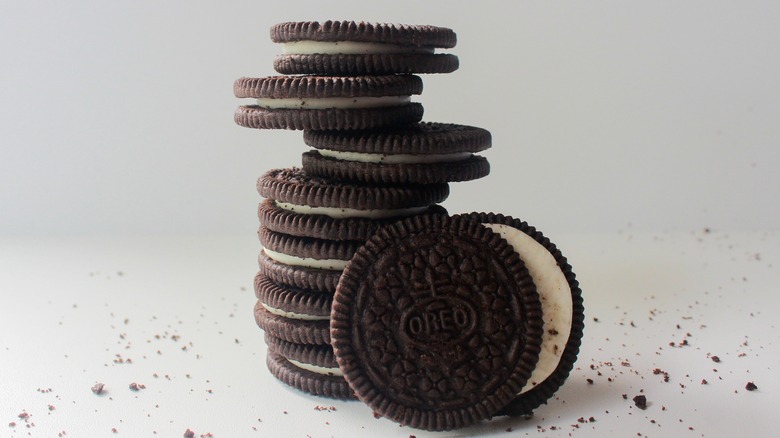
[(439, 320)]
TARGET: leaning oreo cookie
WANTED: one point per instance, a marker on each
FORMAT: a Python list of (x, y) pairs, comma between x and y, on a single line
[(324, 102), (436, 322), (347, 48), (322, 226), (562, 309), (353, 211), (422, 153)]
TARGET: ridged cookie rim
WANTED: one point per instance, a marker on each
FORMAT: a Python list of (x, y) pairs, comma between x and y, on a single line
[(256, 117), (366, 64), (361, 31), (318, 87)]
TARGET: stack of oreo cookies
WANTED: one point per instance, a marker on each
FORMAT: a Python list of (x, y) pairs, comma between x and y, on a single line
[(356, 234)]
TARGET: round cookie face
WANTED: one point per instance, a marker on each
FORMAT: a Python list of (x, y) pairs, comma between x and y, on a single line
[(436, 322), (562, 308)]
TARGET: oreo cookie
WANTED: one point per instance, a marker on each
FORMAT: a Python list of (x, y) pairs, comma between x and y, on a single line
[(325, 102), (322, 226), (300, 331), (436, 322), (562, 309), (295, 191), (422, 153), (304, 262), (307, 251), (304, 379), (284, 272), (320, 356), (347, 48), (295, 303)]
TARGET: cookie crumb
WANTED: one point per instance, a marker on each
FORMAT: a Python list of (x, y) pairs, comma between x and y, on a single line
[(715, 359), (751, 386), (640, 401), (98, 388), (189, 434)]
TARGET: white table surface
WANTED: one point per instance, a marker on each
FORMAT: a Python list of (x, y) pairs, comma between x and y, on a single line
[(175, 315)]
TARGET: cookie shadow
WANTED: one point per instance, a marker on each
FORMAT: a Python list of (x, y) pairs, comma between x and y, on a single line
[(572, 401)]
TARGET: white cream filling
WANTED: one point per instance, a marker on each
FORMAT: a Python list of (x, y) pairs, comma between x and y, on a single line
[(343, 213), (308, 47), (293, 315), (334, 102), (316, 368), (306, 262), (394, 158), (554, 294)]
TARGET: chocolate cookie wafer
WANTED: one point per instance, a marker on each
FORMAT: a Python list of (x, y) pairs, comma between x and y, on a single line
[(347, 48), (421, 153), (325, 102), (436, 322), (562, 309)]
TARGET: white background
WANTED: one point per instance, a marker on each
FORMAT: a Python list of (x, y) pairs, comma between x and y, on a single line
[(641, 137), (116, 117)]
